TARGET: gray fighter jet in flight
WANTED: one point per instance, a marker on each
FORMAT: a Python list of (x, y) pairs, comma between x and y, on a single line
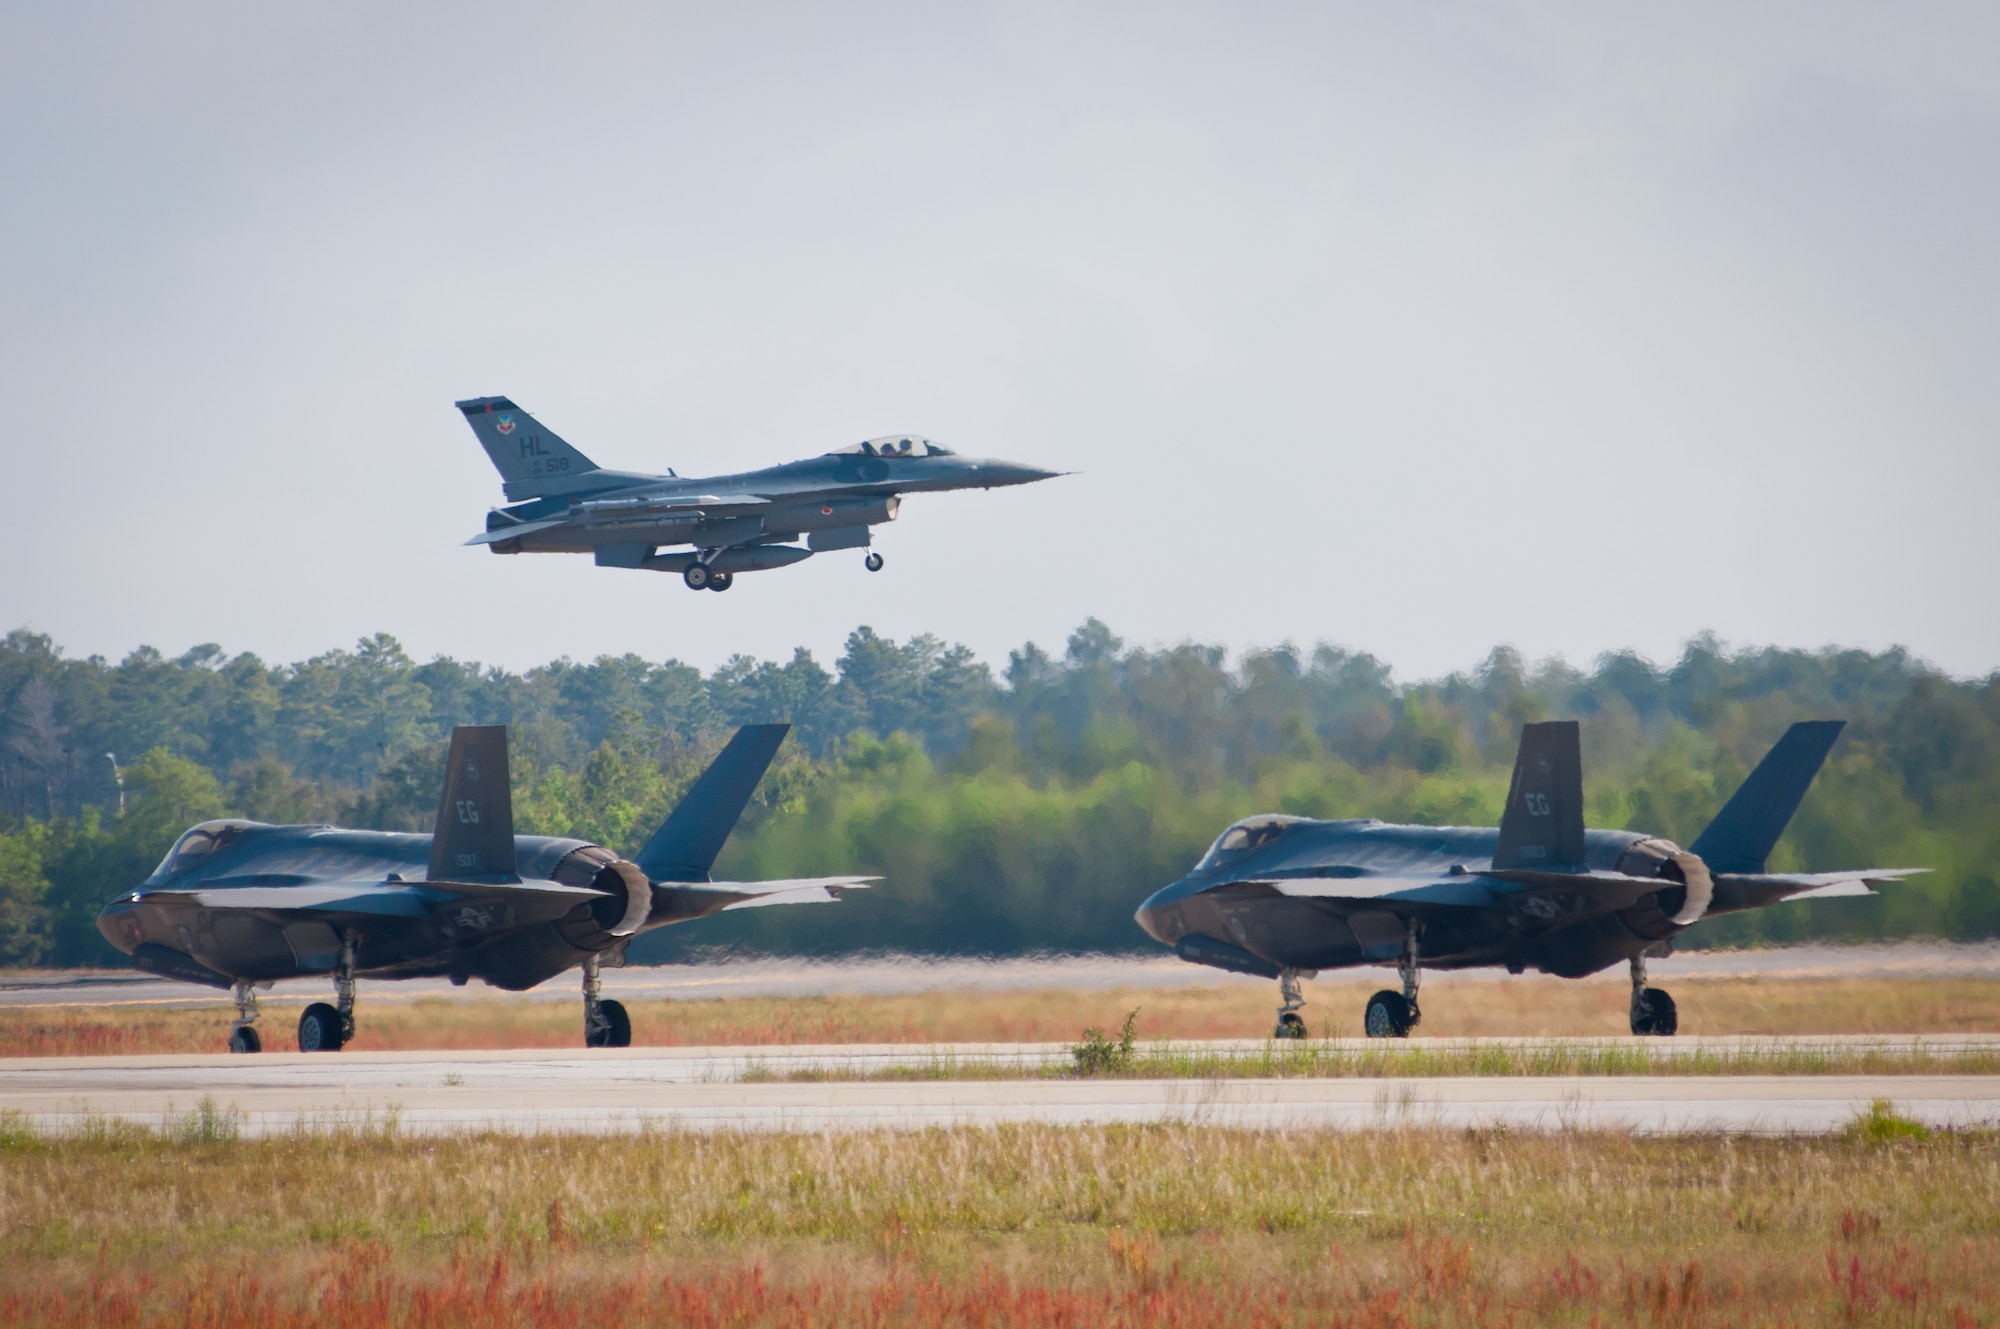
[(561, 502), (1285, 897), (238, 903)]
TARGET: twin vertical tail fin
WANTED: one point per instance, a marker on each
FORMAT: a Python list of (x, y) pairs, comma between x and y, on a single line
[(685, 846), (1542, 827), (474, 840), (1743, 833), (531, 459)]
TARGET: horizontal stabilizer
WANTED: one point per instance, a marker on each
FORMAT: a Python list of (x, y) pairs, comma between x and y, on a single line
[(516, 531), (1744, 832), (1542, 825), (804, 890), (1836, 890), (474, 838), (685, 846), (1806, 881)]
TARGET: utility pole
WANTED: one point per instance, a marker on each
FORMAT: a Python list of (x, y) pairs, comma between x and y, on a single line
[(119, 776)]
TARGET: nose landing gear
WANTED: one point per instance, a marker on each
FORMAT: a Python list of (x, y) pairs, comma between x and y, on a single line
[(243, 1035), (1290, 1023)]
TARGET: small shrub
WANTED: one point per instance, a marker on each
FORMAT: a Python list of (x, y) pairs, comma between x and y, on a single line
[(1099, 1054), (1883, 1124), (207, 1124)]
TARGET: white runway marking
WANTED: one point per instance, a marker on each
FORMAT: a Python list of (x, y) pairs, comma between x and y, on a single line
[(705, 1089)]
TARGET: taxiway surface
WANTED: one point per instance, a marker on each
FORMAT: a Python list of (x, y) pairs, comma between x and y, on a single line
[(899, 974), (750, 1089)]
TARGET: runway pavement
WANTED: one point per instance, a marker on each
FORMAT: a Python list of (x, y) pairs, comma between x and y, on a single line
[(746, 1089), (899, 974)]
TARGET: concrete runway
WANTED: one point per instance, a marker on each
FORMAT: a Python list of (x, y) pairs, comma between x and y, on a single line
[(706, 1089), (899, 974)]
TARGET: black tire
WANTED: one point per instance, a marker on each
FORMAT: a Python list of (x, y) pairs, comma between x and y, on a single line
[(617, 1030), (319, 1029), (696, 577), (873, 562), (1654, 1015), (721, 581), (1388, 1016), (1290, 1025), (244, 1039)]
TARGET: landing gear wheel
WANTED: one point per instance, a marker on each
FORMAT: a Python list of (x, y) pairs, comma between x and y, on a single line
[(1389, 1016), (617, 1028), (245, 1040), (696, 576), (1290, 1025), (319, 1029), (873, 562), (1653, 1014), (721, 581)]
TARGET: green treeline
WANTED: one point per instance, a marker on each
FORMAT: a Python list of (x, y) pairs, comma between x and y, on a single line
[(1027, 812)]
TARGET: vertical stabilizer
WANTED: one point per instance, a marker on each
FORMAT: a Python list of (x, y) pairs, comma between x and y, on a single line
[(1743, 834), (474, 839), (685, 846), (1542, 826), (531, 459)]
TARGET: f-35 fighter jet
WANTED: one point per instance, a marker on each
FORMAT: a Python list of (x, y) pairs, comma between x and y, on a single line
[(238, 903), (562, 502), (1284, 897)]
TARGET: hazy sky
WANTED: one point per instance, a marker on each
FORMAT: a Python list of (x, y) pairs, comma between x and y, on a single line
[(1411, 328)]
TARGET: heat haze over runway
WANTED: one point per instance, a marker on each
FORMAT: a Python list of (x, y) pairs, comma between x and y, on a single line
[(705, 1089)]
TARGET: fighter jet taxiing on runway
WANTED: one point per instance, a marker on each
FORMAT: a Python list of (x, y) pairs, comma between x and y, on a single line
[(1283, 897), (238, 903), (561, 502)]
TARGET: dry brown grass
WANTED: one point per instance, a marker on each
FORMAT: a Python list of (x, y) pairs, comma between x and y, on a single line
[(1501, 1006), (1010, 1226)]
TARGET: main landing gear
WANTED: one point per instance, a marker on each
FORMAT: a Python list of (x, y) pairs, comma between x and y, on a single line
[(243, 1035), (873, 562), (1395, 1014), (700, 577), (325, 1028), (1653, 1013), (605, 1024)]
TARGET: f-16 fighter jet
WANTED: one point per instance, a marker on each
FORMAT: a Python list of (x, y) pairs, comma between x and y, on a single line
[(562, 502), (239, 903), (1284, 897)]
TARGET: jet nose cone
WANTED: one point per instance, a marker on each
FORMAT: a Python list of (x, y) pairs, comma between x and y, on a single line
[(994, 474), (1155, 917)]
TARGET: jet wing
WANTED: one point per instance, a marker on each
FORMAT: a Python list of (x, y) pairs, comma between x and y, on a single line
[(612, 511), (393, 899), (1463, 889)]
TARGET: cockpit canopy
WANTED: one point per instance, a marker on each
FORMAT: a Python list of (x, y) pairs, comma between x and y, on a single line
[(197, 846), (895, 445), (1250, 833)]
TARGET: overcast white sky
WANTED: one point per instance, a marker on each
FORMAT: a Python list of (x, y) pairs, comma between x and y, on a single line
[(1411, 328)]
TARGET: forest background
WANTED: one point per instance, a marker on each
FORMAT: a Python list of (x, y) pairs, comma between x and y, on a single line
[(1030, 812)]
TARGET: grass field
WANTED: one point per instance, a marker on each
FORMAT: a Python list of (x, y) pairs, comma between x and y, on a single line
[(1499, 1006), (1019, 1226)]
